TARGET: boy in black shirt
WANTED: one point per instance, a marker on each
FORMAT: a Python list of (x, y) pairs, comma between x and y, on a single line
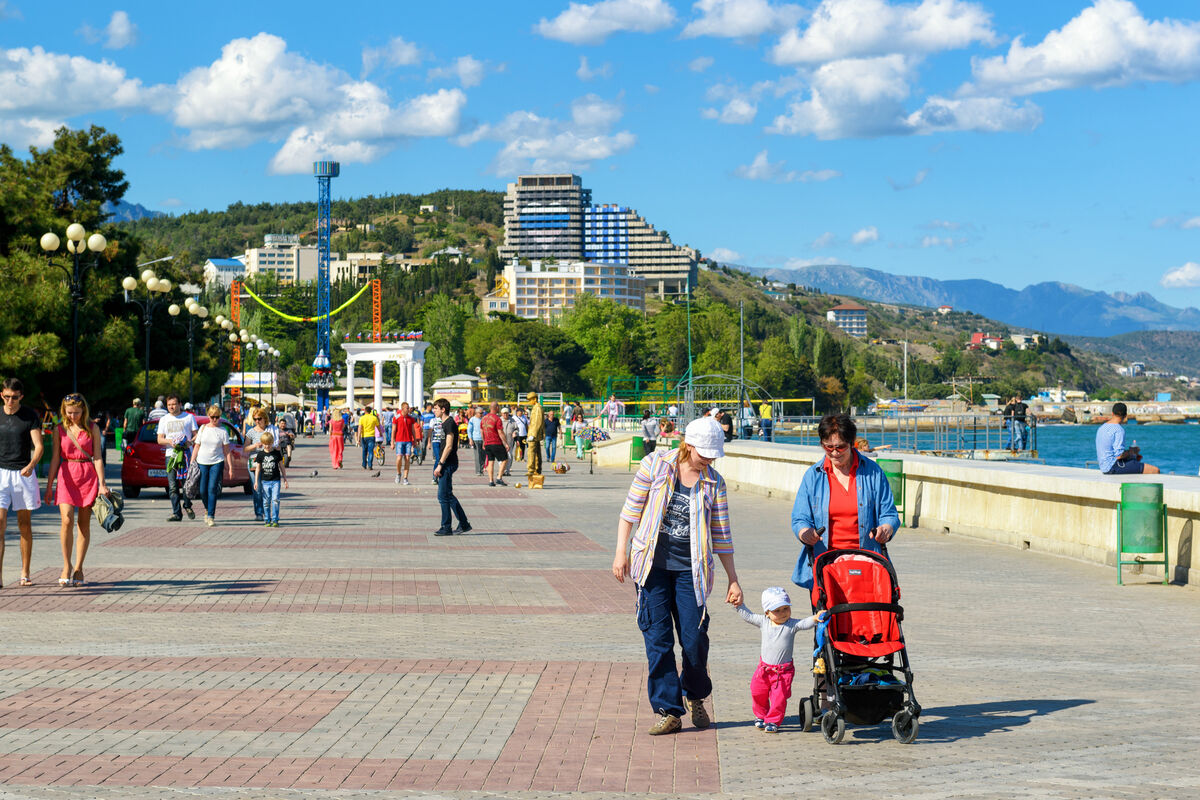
[(444, 471), (268, 472)]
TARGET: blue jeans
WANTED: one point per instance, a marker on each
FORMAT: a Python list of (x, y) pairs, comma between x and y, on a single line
[(270, 499), (387, 435), (447, 499), (747, 431), (258, 501), (437, 452), (1016, 435), (666, 608), (764, 429), (368, 448), (179, 500), (551, 449), (210, 485)]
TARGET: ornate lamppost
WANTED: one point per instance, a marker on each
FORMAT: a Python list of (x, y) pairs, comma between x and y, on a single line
[(76, 245), (195, 312), (155, 295)]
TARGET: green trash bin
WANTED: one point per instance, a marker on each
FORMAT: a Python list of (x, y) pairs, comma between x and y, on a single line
[(1142, 527), (893, 468), (635, 452), (120, 438), (568, 437)]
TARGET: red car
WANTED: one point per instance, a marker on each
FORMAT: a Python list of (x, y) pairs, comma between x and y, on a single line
[(145, 464)]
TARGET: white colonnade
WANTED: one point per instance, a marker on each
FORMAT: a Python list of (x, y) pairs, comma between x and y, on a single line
[(409, 355)]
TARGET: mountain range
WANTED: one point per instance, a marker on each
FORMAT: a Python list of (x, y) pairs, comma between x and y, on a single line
[(128, 212), (1053, 307)]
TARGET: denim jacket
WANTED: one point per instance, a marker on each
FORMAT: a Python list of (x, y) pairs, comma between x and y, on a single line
[(876, 506)]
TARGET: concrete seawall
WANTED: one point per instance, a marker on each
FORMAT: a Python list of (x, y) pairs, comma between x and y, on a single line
[(1061, 510)]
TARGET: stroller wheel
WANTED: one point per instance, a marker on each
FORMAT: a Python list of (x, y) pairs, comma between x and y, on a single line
[(905, 726), (833, 727), (806, 714)]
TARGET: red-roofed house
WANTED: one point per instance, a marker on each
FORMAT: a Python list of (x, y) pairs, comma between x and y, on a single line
[(850, 317)]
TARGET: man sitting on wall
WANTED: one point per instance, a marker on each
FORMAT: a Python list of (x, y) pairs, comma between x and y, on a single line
[(1114, 457)]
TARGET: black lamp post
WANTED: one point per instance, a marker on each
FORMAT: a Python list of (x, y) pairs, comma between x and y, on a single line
[(156, 294), (196, 315), (76, 247)]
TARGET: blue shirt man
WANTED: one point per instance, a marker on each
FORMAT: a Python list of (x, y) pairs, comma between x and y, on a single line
[(1114, 457)]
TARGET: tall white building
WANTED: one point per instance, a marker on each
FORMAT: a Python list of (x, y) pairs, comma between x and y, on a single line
[(284, 256), (544, 291)]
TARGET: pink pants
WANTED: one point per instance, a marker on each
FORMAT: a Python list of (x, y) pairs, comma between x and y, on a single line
[(770, 689)]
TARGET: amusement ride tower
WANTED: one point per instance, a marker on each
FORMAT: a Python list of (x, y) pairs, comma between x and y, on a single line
[(322, 379)]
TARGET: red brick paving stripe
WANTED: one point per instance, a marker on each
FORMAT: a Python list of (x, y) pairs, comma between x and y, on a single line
[(264, 590), (259, 710), (335, 537), (349, 666)]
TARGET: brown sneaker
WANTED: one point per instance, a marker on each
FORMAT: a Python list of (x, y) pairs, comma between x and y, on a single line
[(667, 723), (699, 716)]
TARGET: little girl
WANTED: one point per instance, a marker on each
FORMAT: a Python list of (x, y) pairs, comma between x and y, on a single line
[(771, 685)]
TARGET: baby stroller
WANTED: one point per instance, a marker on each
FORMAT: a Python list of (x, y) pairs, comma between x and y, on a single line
[(861, 672)]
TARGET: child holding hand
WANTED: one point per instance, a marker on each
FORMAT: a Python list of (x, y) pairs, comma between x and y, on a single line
[(771, 685), (268, 472)]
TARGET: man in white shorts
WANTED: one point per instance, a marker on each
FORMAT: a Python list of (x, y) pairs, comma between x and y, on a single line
[(20, 452)]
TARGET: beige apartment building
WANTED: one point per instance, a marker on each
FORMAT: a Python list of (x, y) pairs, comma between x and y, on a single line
[(283, 255), (543, 291)]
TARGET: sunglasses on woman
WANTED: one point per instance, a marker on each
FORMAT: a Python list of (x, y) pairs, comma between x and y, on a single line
[(835, 448), (73, 398)]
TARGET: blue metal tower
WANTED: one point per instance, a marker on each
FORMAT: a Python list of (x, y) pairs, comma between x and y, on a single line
[(322, 366)]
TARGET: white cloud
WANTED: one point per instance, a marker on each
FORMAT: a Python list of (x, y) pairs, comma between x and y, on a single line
[(1183, 223), (1190, 224), (826, 239), (738, 111), (650, 88), (1108, 44), (582, 23), (841, 29), (120, 31), (37, 87), (586, 73), (724, 254), (466, 69), (739, 19), (944, 225), (1185, 277), (865, 235), (9, 12), (800, 263), (851, 97), (171, 202), (917, 180), (701, 63), (539, 144), (762, 169), (396, 53), (948, 242), (865, 97)]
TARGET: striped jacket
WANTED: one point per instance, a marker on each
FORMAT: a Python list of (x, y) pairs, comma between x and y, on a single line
[(646, 504)]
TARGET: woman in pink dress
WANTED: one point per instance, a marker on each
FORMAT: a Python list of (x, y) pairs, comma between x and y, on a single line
[(337, 440), (76, 478)]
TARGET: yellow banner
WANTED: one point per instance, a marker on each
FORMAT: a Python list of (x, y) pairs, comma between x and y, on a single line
[(291, 318)]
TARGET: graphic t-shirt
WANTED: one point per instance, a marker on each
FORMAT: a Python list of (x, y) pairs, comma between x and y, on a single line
[(493, 429), (16, 440), (450, 430), (269, 463), (674, 548)]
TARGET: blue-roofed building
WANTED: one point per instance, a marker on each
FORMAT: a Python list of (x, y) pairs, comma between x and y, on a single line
[(223, 271)]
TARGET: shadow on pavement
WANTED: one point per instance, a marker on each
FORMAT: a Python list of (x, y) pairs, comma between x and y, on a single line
[(189, 587), (954, 723)]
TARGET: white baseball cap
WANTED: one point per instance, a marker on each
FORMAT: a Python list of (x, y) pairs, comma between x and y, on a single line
[(774, 597), (706, 436)]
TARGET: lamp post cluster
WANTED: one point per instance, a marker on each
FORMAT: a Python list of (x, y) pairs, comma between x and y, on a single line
[(196, 315), (259, 347), (78, 242), (156, 289)]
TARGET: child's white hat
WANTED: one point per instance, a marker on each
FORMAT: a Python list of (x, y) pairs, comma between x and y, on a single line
[(775, 597)]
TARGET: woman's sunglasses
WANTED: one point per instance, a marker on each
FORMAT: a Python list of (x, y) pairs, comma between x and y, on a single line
[(835, 448)]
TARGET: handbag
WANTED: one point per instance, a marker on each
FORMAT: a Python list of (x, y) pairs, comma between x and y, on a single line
[(191, 484)]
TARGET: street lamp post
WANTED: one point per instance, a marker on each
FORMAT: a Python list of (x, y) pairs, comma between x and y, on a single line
[(224, 326), (260, 350), (154, 286), (76, 245), (195, 312)]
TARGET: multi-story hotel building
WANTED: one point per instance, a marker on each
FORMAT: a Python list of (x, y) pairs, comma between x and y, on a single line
[(552, 216), (543, 291), (283, 255), (543, 218), (850, 317)]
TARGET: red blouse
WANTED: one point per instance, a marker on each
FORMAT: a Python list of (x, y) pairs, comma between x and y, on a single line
[(843, 509)]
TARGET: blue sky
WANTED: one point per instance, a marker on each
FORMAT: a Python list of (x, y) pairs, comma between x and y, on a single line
[(1016, 141)]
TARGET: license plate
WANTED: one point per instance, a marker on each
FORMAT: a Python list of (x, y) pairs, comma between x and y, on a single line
[(156, 473)]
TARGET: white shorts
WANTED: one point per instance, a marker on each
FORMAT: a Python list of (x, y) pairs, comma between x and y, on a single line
[(18, 492)]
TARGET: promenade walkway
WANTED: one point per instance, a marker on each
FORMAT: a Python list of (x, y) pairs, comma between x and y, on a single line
[(351, 654)]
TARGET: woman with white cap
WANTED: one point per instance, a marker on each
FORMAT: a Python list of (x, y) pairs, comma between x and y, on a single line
[(675, 519)]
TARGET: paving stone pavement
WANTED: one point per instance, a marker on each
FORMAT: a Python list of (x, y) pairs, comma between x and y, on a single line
[(351, 654)]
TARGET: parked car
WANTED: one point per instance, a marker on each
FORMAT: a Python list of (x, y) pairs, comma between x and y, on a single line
[(145, 464)]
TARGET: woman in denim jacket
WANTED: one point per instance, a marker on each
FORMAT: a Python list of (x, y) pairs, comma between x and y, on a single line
[(844, 501)]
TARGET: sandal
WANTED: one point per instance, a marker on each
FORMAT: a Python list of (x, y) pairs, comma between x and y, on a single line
[(77, 578), (64, 582), (25, 581)]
